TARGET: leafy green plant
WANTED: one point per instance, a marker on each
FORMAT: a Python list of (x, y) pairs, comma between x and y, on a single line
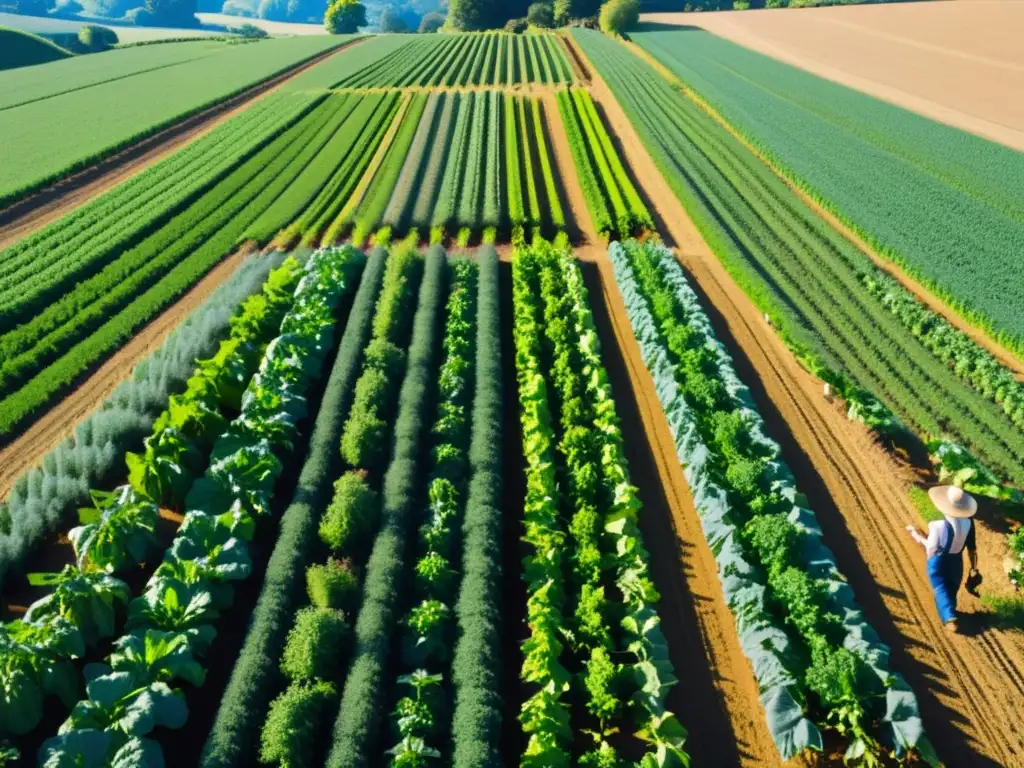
[(333, 584), (352, 514), (117, 533), (289, 735), (87, 600), (316, 646)]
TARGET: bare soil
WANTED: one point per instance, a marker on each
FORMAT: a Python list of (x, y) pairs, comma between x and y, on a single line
[(27, 450), (47, 205), (965, 684), (961, 63)]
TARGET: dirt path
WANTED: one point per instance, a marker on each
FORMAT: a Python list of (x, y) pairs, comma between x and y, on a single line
[(965, 684), (47, 205), (921, 293), (28, 449), (717, 698)]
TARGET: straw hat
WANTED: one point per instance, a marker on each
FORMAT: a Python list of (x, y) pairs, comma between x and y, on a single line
[(952, 501)]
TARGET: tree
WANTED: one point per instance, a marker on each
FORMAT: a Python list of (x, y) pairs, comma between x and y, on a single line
[(541, 15), (390, 21), (95, 39), (468, 15), (432, 22), (618, 16), (344, 17), (563, 12)]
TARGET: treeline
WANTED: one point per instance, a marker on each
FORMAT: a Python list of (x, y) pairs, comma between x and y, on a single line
[(491, 14), (662, 6)]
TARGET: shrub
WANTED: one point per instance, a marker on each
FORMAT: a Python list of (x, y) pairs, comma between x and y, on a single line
[(96, 39), (516, 26), (249, 32), (352, 514), (618, 16), (387, 358), (333, 585), (541, 15), (290, 733), (315, 644), (364, 443)]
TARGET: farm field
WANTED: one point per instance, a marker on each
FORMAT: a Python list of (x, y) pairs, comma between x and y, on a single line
[(484, 399), (828, 139), (951, 62), (120, 96)]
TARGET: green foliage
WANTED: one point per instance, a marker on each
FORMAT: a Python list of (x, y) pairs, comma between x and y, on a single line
[(24, 49), (874, 139), (289, 737), (541, 14), (806, 275), (253, 680), (316, 646), (356, 730), (352, 515), (431, 22), (333, 585), (96, 39), (619, 16), (168, 82)]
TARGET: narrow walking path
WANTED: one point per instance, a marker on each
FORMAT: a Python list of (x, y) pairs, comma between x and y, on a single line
[(966, 684)]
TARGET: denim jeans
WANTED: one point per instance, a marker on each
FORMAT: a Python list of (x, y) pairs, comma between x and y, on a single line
[(945, 573)]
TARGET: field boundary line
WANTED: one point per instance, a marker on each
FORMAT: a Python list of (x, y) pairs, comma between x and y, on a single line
[(918, 288), (56, 200)]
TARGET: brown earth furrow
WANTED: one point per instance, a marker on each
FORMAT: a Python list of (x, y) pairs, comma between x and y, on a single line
[(859, 493), (27, 450), (717, 697), (40, 208)]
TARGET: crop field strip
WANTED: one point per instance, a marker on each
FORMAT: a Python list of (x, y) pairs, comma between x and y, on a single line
[(220, 421), (841, 146), (591, 607), (801, 271), (475, 59), (813, 653), (110, 115), (224, 198)]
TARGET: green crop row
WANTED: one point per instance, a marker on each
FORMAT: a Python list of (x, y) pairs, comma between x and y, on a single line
[(49, 263), (795, 612), (315, 655), (803, 273), (490, 58), (113, 113), (46, 498), (371, 209), (57, 346), (427, 628), (356, 730), (516, 209), (588, 575), (170, 626), (255, 677), (592, 193), (476, 661), (419, 156)]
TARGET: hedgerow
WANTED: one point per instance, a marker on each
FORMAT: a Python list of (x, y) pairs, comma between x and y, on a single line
[(255, 677), (476, 662), (356, 731)]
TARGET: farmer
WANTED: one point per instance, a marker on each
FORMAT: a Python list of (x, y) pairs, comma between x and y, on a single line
[(945, 544)]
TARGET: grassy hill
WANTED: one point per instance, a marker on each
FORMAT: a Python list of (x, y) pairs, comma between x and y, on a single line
[(23, 49)]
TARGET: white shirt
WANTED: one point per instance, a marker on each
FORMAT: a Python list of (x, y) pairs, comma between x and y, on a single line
[(936, 540)]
